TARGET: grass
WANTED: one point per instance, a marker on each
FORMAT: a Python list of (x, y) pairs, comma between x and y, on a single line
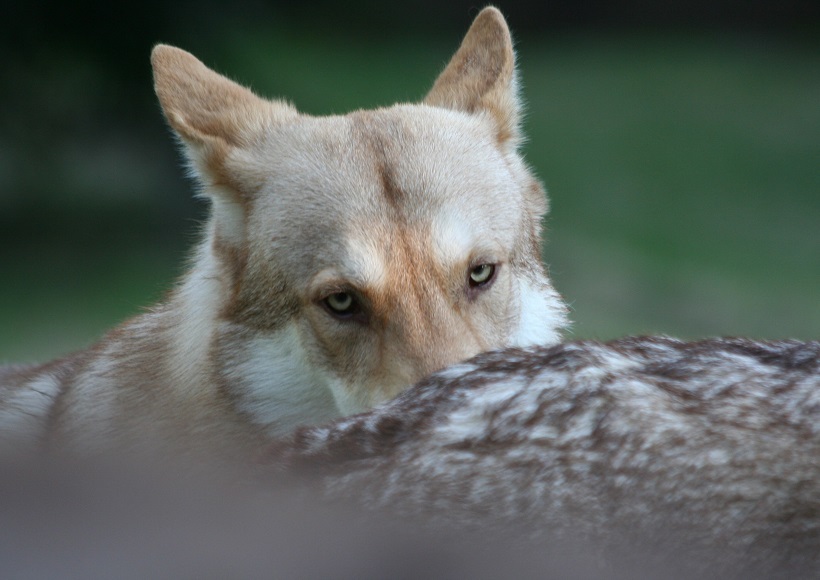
[(684, 177), (683, 171)]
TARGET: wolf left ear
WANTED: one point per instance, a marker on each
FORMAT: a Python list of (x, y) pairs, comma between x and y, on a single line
[(481, 76), (212, 114), (218, 121)]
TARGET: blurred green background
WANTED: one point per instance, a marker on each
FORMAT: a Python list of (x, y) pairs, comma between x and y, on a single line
[(679, 143)]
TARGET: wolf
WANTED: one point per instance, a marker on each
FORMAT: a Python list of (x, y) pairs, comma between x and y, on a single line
[(345, 258), (701, 458)]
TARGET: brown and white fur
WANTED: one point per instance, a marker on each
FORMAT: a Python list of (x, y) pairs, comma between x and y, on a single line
[(705, 455), (418, 223)]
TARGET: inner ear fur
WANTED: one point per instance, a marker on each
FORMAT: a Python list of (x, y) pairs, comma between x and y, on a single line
[(209, 112), (217, 121), (203, 106), (481, 76)]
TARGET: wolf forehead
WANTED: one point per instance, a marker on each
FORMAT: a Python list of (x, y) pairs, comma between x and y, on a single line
[(410, 168)]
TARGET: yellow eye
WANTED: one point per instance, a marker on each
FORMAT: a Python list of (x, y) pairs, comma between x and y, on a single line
[(482, 274), (340, 303)]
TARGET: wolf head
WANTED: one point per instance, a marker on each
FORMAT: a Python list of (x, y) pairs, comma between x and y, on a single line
[(356, 254)]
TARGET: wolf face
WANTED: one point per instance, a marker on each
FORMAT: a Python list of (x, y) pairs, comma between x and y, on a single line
[(365, 251), (345, 258)]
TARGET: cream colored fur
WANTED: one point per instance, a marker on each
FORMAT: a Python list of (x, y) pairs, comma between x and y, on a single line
[(392, 210)]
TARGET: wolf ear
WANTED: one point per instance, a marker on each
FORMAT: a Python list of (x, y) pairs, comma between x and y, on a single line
[(481, 76), (211, 113), (219, 122)]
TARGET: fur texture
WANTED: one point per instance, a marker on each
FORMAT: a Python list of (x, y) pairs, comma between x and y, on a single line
[(706, 454), (345, 258)]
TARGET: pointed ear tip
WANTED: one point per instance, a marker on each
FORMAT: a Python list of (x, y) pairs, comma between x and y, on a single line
[(162, 55), (490, 11), (489, 27), (160, 52), (491, 14)]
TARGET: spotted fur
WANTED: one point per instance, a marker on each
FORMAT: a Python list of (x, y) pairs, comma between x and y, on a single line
[(679, 449)]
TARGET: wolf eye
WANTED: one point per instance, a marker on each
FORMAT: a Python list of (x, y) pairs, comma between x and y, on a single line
[(341, 303), (482, 274)]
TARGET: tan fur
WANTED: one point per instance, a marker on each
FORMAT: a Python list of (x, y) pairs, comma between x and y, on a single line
[(393, 206)]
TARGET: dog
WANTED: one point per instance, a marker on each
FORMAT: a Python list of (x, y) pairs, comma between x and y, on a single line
[(689, 459), (345, 258)]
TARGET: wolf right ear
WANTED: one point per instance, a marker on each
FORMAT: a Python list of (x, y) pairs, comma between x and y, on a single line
[(211, 113), (481, 76)]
